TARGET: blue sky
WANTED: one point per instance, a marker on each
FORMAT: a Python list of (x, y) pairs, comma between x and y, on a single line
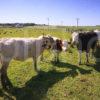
[(58, 11)]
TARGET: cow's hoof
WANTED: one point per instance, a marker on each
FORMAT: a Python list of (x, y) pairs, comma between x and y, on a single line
[(80, 63), (56, 62), (87, 64), (38, 72), (4, 86), (7, 85)]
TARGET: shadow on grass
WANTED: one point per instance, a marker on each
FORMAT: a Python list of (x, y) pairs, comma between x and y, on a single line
[(37, 87), (96, 66), (74, 68), (5, 95)]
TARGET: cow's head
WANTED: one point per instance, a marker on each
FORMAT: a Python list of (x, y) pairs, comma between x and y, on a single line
[(65, 44), (74, 39), (47, 42)]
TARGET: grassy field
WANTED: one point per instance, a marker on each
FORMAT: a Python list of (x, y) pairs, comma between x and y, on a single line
[(63, 81)]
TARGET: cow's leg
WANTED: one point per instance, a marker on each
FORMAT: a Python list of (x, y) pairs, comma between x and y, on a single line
[(0, 60), (35, 65), (57, 56), (42, 57), (87, 57), (4, 78), (80, 54), (93, 50)]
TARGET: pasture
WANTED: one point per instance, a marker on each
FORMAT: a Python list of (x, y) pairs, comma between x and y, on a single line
[(62, 81)]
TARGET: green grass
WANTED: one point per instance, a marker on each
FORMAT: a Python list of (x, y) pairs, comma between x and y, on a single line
[(62, 81)]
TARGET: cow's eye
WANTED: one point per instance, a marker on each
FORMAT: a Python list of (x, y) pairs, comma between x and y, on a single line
[(46, 41)]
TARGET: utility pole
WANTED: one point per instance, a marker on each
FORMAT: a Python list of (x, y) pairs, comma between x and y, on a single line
[(48, 21), (77, 22), (61, 23)]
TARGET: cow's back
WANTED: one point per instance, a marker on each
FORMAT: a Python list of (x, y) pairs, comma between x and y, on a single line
[(87, 40), (18, 48)]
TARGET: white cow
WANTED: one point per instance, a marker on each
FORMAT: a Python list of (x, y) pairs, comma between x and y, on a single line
[(85, 41), (21, 49)]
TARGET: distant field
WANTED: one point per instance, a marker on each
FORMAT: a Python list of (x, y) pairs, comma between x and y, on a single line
[(63, 81)]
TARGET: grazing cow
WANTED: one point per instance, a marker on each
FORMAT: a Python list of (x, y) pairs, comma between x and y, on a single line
[(85, 41), (58, 46), (21, 49)]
